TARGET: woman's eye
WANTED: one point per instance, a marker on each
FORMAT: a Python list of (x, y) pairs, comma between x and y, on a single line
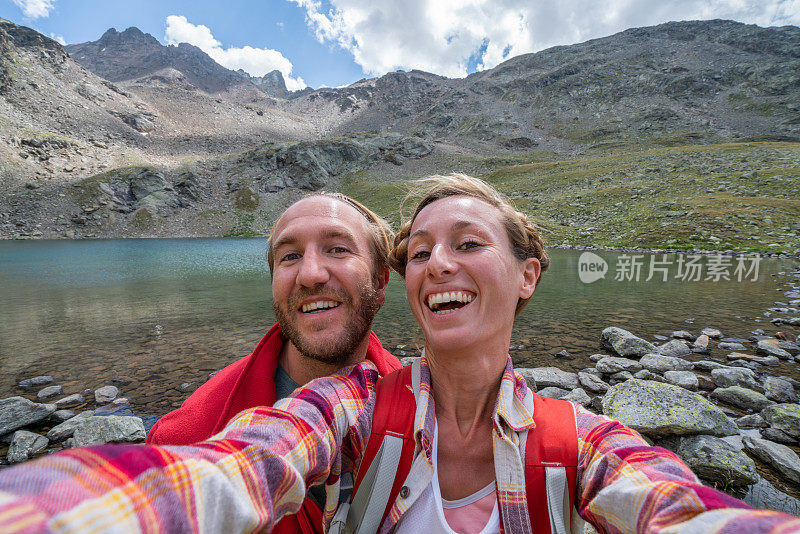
[(467, 245), (420, 255), (338, 250)]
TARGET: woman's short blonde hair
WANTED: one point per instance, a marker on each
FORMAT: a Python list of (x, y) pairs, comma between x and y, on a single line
[(522, 232)]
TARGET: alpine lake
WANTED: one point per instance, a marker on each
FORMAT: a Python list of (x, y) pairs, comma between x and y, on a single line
[(156, 316)]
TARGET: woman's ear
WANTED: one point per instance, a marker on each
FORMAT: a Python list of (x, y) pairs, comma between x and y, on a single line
[(531, 269)]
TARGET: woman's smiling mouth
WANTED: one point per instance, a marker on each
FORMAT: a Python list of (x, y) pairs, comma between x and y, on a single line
[(448, 301)]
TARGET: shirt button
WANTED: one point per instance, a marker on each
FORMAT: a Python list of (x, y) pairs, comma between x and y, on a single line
[(404, 492)]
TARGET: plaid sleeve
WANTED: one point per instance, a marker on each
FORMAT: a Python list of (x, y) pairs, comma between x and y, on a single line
[(626, 485), (251, 474)]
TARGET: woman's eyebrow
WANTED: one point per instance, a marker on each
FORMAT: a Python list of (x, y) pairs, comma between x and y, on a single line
[(418, 233)]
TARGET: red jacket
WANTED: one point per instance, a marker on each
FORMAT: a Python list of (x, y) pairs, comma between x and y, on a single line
[(247, 383)]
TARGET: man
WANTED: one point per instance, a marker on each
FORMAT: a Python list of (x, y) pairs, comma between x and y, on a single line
[(328, 259)]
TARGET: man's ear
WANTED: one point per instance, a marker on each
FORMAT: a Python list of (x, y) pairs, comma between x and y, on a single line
[(531, 269), (381, 281)]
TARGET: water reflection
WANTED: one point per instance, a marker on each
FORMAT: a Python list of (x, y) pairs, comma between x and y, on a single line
[(156, 314)]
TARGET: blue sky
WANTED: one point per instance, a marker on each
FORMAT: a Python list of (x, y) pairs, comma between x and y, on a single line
[(336, 42)]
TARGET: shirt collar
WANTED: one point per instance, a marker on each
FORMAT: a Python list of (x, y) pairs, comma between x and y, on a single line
[(513, 408)]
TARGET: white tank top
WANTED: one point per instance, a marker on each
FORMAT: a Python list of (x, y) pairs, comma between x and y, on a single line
[(427, 512)]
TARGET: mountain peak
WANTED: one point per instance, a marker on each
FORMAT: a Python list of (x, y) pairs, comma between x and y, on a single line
[(132, 35)]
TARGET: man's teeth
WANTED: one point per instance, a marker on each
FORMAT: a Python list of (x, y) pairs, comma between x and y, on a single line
[(437, 299), (319, 305)]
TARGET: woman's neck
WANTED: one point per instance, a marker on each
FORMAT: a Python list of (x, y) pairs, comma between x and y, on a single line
[(465, 385)]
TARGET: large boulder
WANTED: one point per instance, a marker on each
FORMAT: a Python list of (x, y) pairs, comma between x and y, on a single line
[(784, 417), (95, 430), (714, 459), (544, 377), (743, 398), (17, 412), (781, 457), (612, 364), (660, 410), (657, 363), (624, 343), (734, 376), (25, 444)]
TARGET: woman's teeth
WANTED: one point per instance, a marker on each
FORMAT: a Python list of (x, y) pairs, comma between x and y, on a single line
[(449, 301), (319, 305)]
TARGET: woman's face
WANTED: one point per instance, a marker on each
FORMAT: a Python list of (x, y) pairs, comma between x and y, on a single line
[(462, 280)]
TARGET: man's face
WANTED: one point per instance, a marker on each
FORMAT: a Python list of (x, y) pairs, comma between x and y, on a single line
[(324, 291)]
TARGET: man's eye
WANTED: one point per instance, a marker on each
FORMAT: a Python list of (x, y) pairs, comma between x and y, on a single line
[(291, 256), (338, 250)]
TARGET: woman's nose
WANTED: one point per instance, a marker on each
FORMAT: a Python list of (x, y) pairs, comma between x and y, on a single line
[(440, 261)]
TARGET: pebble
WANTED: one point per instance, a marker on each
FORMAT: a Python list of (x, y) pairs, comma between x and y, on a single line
[(25, 444), (734, 377), (731, 346), (592, 382), (711, 332), (780, 457), (753, 420), (779, 390), (685, 379), (70, 401), (49, 392), (743, 398), (105, 394), (36, 381)]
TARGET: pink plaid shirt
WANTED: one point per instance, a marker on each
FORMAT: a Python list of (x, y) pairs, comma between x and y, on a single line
[(257, 469)]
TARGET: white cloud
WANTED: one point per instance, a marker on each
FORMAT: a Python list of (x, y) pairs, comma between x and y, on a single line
[(35, 8), (255, 61), (59, 38), (448, 36)]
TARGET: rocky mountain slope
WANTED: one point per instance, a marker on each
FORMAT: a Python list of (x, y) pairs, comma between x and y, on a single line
[(676, 82), (229, 150)]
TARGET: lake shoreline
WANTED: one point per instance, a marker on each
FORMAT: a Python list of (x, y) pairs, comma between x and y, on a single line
[(590, 248)]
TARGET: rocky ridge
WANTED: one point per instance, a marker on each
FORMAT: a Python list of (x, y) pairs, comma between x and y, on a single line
[(173, 110)]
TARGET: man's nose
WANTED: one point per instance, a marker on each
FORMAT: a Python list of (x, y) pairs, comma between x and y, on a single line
[(313, 270), (440, 261)]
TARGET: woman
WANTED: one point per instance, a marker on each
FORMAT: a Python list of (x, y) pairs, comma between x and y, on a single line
[(471, 262)]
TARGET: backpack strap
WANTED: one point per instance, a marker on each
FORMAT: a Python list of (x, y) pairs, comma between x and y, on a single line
[(388, 456), (551, 461)]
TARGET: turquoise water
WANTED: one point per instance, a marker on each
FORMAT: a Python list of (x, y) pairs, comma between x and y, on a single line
[(156, 314)]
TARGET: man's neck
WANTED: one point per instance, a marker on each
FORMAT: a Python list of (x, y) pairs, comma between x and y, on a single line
[(303, 369)]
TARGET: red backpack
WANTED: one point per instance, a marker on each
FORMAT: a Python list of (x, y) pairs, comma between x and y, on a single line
[(551, 458)]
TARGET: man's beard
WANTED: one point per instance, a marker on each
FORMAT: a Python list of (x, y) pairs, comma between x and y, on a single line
[(338, 348)]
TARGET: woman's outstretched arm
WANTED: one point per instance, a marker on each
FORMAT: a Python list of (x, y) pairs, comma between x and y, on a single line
[(246, 478), (626, 485)]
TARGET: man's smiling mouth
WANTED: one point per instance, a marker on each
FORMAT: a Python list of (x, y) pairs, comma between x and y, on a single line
[(319, 306), (448, 301)]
